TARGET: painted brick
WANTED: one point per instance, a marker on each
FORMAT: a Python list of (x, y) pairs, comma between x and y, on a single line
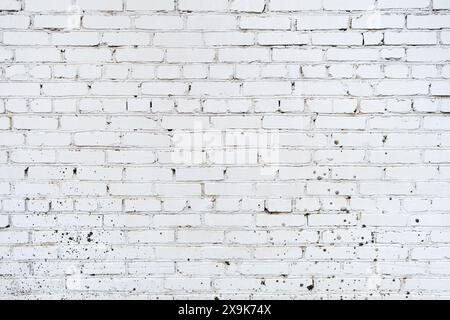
[(234, 149)]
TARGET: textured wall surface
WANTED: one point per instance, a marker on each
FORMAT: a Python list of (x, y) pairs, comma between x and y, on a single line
[(225, 148)]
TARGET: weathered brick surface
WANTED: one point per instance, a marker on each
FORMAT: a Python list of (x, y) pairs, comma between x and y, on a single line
[(224, 148)]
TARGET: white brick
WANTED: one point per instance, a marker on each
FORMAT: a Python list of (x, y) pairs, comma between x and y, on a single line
[(341, 54), (48, 5), (440, 88), (197, 174), (402, 88), (331, 220), (84, 55), (149, 204), (265, 23), (190, 55), (170, 39), (65, 89), (14, 22), (441, 4), (278, 205), (96, 139), (6, 55), (201, 149), (228, 38), (247, 55), (35, 123), (106, 22), (200, 236), (282, 38), (337, 38), (180, 220), (286, 122), (411, 37), (322, 22), (162, 22), (114, 88), (38, 55), (100, 5), (76, 38), (211, 22), (348, 5), (373, 21), (202, 5), (228, 189), (45, 21), (428, 54), (81, 156), (121, 39), (155, 5), (19, 89), (143, 174), (135, 55), (403, 4), (246, 6), (217, 89), (387, 189), (428, 22), (293, 5), (129, 122), (131, 157)]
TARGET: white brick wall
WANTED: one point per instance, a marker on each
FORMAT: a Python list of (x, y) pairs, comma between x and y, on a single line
[(225, 148)]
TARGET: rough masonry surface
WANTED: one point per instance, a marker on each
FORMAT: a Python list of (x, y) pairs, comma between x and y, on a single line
[(293, 149)]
